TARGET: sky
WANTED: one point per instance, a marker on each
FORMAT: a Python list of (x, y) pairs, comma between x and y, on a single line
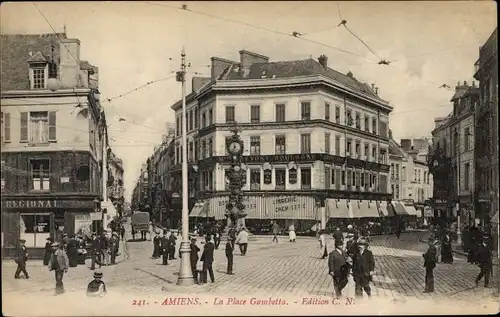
[(428, 43)]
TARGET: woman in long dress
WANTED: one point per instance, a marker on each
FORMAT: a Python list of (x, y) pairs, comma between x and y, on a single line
[(446, 251), (291, 233)]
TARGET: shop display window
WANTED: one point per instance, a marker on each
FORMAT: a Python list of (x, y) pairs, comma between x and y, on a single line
[(35, 229)]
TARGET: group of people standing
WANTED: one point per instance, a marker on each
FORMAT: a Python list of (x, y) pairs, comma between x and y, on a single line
[(164, 246), (350, 256)]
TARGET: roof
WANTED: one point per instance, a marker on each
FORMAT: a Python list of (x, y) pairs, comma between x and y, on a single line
[(284, 69), (16, 49), (84, 65), (460, 92), (395, 149)]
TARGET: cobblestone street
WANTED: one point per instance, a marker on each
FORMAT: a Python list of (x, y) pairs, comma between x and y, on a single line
[(276, 269)]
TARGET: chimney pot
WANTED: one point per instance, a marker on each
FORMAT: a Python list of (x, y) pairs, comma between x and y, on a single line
[(376, 91), (323, 60), (373, 86), (465, 83), (349, 74), (473, 84)]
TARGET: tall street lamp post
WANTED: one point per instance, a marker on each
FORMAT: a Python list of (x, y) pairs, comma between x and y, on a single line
[(185, 274)]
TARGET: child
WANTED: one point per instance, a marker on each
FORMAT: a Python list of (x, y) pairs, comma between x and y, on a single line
[(97, 286), (229, 256)]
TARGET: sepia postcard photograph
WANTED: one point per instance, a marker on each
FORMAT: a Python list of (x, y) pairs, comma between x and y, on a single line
[(249, 158)]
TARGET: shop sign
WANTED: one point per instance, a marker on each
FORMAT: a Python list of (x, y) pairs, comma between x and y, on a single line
[(304, 157), (44, 204), (285, 203)]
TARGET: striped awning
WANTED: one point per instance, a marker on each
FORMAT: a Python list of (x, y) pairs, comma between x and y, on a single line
[(494, 219), (411, 210), (199, 210), (399, 208), (385, 209), (364, 209), (338, 208)]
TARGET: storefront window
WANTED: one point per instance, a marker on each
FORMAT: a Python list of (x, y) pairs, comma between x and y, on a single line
[(35, 229)]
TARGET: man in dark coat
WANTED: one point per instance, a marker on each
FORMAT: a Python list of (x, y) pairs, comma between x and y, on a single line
[(172, 239), (156, 246), (484, 261), (337, 235), (229, 256), (21, 258), (165, 247), (193, 258), (96, 251), (362, 269), (207, 257), (72, 251), (217, 235), (113, 247), (338, 268), (48, 251), (430, 258)]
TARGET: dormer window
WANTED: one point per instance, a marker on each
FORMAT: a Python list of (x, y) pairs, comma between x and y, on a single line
[(39, 71)]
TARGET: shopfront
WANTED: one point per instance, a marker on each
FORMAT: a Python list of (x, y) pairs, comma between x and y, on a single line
[(299, 210), (35, 220)]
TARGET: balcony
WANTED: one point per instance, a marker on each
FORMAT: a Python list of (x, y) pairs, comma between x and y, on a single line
[(254, 186), (280, 187), (305, 186)]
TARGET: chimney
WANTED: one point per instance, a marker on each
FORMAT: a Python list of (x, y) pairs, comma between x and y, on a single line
[(219, 65), (376, 91), (390, 134), (349, 74), (247, 59), (473, 84), (198, 82), (323, 60), (465, 83), (69, 68), (373, 87)]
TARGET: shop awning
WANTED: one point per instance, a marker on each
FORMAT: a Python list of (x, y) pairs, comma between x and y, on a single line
[(385, 209), (199, 210), (494, 219), (411, 210), (399, 208), (363, 209), (111, 212), (338, 208)]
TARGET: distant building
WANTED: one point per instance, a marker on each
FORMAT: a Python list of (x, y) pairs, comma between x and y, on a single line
[(310, 133), (53, 135), (453, 150), (486, 143), (115, 181)]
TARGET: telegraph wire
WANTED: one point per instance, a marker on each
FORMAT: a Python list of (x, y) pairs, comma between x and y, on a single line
[(293, 34)]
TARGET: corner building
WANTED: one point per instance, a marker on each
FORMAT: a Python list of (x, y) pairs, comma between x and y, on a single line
[(53, 133), (312, 136)]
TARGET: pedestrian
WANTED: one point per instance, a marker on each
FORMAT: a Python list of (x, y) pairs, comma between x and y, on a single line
[(122, 232), (338, 268), (232, 236), (322, 244), (398, 230), (338, 235), (484, 260), (104, 248), (21, 259), (96, 251), (207, 257), (217, 236), (172, 238), (446, 250), (291, 233), (156, 246), (113, 247), (229, 256), (165, 247), (193, 258), (133, 233), (48, 251), (72, 251), (242, 241), (430, 258), (96, 288), (276, 231), (363, 267), (59, 264)]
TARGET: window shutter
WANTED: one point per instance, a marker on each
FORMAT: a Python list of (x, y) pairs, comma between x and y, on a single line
[(24, 127), (6, 132), (30, 175), (52, 126)]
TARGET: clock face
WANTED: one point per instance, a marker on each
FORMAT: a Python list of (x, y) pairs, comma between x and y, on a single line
[(235, 148)]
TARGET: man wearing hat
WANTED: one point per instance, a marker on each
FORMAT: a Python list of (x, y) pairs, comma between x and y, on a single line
[(338, 268), (97, 286), (165, 247), (96, 251), (193, 258), (484, 261), (430, 258), (59, 263), (48, 251), (363, 267), (21, 258)]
